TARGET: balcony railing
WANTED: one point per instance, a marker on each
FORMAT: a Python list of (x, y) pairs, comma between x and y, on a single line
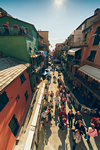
[(93, 88), (74, 61), (14, 32), (80, 43), (36, 69)]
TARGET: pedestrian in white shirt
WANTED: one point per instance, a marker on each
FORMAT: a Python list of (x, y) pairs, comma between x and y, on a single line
[(56, 101)]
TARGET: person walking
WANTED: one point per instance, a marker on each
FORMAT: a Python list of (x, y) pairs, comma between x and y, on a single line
[(70, 118), (78, 116), (92, 132), (80, 127), (43, 117), (51, 95), (56, 102), (77, 139), (97, 126)]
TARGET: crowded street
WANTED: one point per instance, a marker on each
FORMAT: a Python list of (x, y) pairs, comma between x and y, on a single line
[(52, 136)]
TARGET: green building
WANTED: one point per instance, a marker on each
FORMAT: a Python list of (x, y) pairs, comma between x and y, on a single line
[(19, 39)]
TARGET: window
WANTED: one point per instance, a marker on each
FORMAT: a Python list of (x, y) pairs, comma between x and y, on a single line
[(82, 26), (22, 77), (14, 125), (92, 56), (86, 77), (3, 100), (97, 36), (85, 37), (26, 95)]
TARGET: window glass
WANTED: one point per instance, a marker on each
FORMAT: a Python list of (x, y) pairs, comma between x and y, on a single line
[(3, 100), (14, 125), (97, 36), (22, 77), (92, 55)]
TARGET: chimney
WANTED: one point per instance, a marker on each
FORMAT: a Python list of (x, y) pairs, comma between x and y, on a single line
[(97, 11)]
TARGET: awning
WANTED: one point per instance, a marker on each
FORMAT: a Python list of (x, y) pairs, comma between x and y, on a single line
[(72, 51), (34, 56), (91, 71)]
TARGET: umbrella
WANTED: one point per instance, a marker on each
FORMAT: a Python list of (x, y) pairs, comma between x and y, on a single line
[(44, 73), (49, 72)]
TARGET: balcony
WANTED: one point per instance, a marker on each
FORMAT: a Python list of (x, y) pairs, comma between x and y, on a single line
[(80, 44), (74, 61), (15, 32), (36, 69), (89, 85)]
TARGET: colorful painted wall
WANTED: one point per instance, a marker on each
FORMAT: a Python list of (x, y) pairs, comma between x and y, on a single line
[(18, 108), (90, 47), (12, 21), (14, 46)]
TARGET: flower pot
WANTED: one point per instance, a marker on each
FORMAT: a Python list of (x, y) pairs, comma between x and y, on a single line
[(5, 25), (15, 26)]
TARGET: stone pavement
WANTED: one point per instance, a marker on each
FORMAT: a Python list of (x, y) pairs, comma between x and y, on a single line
[(28, 119), (52, 138)]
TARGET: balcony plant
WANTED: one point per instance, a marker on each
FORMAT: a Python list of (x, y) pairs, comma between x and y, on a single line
[(15, 26), (5, 25)]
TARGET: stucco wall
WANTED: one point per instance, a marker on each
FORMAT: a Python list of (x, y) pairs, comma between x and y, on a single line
[(12, 21), (93, 47), (19, 108), (14, 46)]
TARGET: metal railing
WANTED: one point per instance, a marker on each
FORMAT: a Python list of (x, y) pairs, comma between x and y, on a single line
[(80, 43), (14, 32), (33, 131)]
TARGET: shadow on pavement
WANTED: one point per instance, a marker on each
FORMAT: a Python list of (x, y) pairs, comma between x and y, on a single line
[(47, 134), (56, 117), (62, 136)]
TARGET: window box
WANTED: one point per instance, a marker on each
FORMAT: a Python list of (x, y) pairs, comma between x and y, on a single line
[(5, 25), (15, 26)]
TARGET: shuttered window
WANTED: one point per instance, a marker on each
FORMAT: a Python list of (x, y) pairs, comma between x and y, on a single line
[(14, 125), (3, 100)]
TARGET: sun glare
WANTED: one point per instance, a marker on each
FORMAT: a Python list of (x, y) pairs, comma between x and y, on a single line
[(58, 2)]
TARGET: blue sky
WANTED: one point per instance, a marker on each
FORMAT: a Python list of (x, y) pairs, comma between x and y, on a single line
[(59, 17)]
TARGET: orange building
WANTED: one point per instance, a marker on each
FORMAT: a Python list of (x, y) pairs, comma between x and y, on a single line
[(15, 95)]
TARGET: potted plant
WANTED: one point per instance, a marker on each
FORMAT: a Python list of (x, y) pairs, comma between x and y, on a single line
[(15, 26), (5, 25)]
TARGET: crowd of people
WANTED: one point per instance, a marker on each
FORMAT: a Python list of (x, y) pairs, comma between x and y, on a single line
[(73, 121)]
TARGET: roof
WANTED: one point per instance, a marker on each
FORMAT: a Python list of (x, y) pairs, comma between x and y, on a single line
[(40, 36), (10, 69), (95, 20), (91, 71), (86, 20), (87, 29), (72, 51)]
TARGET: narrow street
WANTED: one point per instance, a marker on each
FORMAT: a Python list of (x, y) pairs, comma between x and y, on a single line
[(52, 138)]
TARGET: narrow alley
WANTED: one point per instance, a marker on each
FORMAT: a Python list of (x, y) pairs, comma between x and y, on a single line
[(52, 138)]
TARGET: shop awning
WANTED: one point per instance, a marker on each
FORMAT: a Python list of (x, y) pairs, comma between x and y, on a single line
[(91, 71), (34, 56), (72, 51)]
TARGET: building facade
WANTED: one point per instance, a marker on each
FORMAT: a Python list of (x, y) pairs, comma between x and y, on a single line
[(15, 96)]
